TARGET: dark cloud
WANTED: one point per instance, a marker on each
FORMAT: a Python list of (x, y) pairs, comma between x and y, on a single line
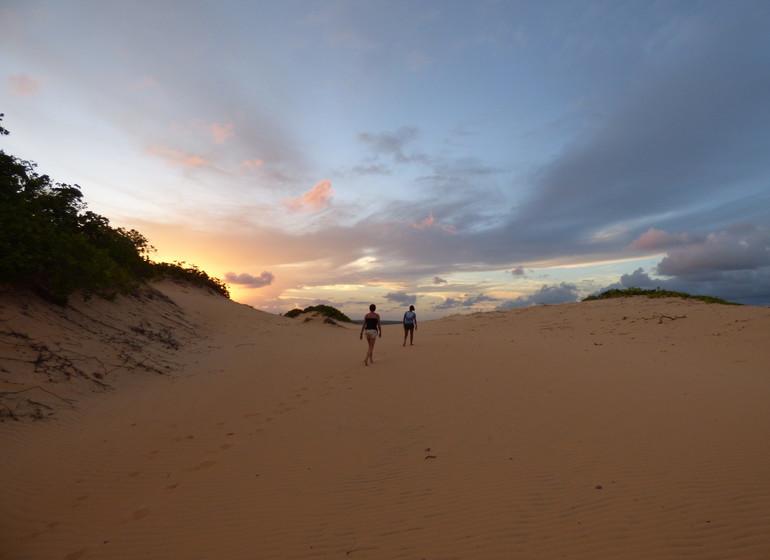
[(748, 287), (743, 247), (400, 297), (249, 281), (519, 272), (691, 125), (439, 280), (469, 301), (393, 144), (548, 294)]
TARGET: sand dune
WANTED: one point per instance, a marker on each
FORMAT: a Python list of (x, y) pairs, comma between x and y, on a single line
[(616, 429)]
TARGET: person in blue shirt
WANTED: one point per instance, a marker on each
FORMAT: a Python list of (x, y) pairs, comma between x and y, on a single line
[(410, 325)]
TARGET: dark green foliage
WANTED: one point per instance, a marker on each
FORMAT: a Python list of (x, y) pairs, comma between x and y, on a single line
[(325, 310), (190, 274), (50, 243), (657, 293)]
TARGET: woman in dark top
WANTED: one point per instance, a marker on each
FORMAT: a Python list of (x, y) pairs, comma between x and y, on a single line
[(371, 328)]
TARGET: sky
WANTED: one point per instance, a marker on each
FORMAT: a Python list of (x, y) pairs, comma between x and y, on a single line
[(458, 156)]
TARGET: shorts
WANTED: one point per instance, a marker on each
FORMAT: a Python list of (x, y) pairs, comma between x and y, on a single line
[(408, 326), (371, 333)]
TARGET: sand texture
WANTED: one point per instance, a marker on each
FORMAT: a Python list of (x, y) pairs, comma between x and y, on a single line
[(175, 424)]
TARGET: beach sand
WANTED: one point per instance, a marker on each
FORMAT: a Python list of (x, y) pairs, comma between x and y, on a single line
[(176, 424)]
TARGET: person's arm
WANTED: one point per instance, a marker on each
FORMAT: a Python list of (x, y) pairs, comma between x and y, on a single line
[(363, 326), (415, 321), (379, 327)]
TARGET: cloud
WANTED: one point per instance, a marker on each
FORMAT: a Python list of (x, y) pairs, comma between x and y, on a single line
[(24, 84), (401, 297), (741, 286), (654, 240), (222, 132), (688, 130), (468, 301), (249, 281), (145, 82), (315, 200), (417, 60), (439, 280), (393, 144), (519, 272), (548, 294), (742, 247), (252, 164), (175, 157), (431, 222)]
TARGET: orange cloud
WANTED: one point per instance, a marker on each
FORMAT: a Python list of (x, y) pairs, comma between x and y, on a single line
[(252, 164), (430, 222), (145, 82), (222, 132), (426, 223), (655, 240), (24, 84), (315, 200), (175, 157)]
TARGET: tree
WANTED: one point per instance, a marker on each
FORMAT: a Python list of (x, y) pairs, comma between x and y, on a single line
[(51, 243)]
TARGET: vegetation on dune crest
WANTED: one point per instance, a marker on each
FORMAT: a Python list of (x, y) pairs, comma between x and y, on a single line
[(657, 293), (325, 310), (50, 243)]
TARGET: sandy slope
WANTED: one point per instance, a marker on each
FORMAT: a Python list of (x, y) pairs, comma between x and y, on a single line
[(622, 429)]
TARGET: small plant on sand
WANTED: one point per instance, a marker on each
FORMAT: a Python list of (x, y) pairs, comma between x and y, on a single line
[(324, 310), (656, 293)]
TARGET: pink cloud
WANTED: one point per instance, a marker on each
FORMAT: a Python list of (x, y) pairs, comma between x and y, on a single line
[(252, 164), (175, 157), (315, 200), (222, 132), (145, 82), (426, 223), (430, 222), (655, 240), (24, 84)]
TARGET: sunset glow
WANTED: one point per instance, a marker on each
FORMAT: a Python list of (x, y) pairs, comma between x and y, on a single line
[(457, 156)]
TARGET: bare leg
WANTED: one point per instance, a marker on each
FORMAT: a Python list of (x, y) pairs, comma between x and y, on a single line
[(411, 337), (406, 332), (369, 354)]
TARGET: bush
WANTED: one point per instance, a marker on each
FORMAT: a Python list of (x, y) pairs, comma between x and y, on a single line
[(325, 310), (656, 293), (50, 243)]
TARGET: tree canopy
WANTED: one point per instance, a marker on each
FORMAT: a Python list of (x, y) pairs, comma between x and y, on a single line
[(51, 243)]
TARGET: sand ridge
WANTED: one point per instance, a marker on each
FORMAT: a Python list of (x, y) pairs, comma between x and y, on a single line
[(612, 429)]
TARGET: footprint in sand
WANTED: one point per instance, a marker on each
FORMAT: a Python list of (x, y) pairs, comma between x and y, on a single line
[(75, 555), (203, 465), (170, 488), (79, 500), (141, 513)]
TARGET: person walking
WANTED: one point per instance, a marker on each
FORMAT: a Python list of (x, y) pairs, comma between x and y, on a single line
[(410, 325), (371, 328)]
